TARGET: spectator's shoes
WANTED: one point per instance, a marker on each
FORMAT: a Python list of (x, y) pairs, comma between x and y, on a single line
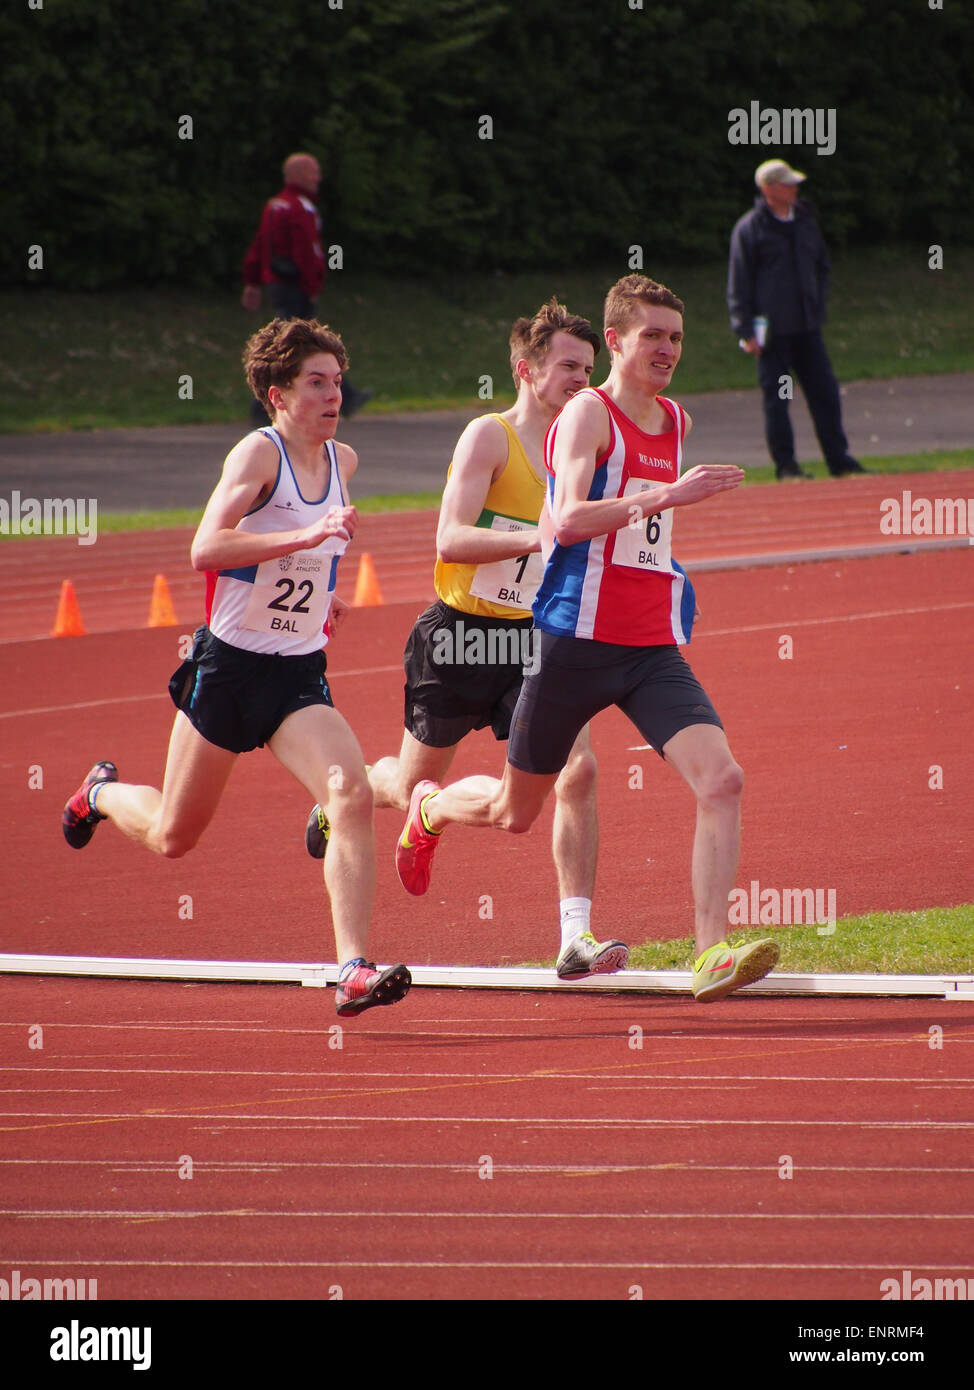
[(849, 466), (723, 968), (316, 833), (417, 843), (585, 956), (364, 986), (78, 820), (793, 472)]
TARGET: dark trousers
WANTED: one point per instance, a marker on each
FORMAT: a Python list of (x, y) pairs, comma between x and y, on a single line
[(289, 301), (801, 355)]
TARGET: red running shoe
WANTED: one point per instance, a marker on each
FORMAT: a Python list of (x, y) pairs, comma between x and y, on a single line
[(416, 846), (365, 986), (78, 820)]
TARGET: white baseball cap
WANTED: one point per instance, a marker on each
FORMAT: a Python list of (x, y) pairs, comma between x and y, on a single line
[(777, 171)]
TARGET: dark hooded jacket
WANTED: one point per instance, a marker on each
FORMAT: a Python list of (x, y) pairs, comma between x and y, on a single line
[(779, 270)]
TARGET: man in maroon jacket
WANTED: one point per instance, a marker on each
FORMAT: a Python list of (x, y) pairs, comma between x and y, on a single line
[(286, 255)]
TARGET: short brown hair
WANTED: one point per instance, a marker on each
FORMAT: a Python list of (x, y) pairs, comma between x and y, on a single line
[(275, 354), (625, 294), (531, 338)]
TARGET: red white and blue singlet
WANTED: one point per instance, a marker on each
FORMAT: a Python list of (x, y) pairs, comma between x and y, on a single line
[(280, 606), (624, 587)]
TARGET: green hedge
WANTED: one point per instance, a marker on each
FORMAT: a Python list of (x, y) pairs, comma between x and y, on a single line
[(609, 128)]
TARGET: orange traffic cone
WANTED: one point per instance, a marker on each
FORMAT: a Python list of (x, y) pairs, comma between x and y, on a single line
[(68, 621), (367, 591), (161, 611)]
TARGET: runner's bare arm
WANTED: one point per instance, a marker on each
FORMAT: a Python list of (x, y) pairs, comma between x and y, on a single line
[(347, 463), (478, 460), (584, 434), (347, 466), (248, 476)]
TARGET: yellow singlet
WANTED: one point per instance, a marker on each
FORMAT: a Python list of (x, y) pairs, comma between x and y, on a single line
[(503, 588)]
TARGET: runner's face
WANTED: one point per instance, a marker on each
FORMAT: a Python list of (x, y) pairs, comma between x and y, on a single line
[(649, 349), (314, 399), (566, 368)]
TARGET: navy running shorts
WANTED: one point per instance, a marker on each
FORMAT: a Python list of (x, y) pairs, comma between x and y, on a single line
[(574, 679), (239, 699), (463, 672)]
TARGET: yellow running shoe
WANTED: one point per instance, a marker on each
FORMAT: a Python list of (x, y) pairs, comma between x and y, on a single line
[(723, 968)]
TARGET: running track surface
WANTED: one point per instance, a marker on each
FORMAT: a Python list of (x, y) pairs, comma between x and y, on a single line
[(612, 1168)]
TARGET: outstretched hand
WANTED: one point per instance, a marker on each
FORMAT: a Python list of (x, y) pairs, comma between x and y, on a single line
[(704, 481)]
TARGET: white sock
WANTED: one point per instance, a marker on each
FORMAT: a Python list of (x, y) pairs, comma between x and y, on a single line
[(576, 915)]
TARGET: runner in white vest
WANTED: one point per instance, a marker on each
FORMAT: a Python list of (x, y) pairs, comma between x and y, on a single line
[(269, 541)]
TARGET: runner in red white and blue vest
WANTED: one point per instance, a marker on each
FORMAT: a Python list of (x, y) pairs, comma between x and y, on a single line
[(610, 613)]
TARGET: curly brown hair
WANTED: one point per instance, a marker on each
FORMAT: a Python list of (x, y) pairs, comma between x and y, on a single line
[(531, 338), (275, 354), (625, 294)]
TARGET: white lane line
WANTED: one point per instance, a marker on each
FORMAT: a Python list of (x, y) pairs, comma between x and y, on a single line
[(829, 1268), (701, 632), (164, 1166), (225, 1120), (467, 1214), (318, 1077)]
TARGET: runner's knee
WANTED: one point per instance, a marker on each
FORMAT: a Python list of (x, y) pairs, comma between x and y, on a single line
[(349, 797), (722, 783), (577, 781), (173, 842)]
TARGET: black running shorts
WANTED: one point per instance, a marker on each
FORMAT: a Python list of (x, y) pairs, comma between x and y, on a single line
[(574, 679), (463, 673), (238, 699)]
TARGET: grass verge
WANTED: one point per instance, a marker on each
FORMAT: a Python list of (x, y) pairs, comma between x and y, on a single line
[(938, 940), (168, 356)]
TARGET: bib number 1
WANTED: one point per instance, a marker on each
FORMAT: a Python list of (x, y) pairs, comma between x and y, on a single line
[(510, 583)]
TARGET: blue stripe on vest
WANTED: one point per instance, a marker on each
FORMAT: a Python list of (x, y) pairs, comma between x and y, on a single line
[(688, 602), (246, 575)]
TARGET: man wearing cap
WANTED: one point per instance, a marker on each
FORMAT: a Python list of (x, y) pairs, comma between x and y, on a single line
[(779, 273)]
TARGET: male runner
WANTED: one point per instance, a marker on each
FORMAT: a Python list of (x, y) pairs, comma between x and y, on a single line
[(466, 655), (610, 611), (270, 539)]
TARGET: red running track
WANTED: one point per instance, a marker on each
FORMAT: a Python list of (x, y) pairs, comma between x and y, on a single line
[(663, 1169), (189, 1142), (113, 578)]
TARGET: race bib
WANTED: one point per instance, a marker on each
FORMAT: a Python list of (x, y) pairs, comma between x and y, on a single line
[(291, 594), (511, 583), (644, 544)]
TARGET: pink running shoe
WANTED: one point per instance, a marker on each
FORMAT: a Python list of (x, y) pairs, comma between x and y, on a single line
[(78, 820), (364, 986), (416, 846)]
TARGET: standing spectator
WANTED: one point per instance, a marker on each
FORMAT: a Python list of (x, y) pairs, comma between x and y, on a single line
[(779, 272), (287, 256)]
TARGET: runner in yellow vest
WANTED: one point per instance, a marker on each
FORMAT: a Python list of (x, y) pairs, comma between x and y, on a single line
[(467, 653)]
